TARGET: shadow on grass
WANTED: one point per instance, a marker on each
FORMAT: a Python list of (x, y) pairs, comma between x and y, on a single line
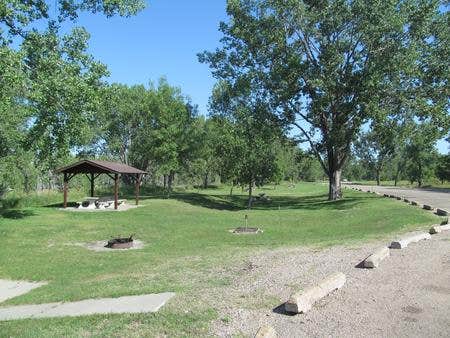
[(239, 202), (60, 205), (15, 213)]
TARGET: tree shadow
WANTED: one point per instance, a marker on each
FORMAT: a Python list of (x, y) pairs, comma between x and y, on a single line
[(15, 213), (240, 202), (281, 310), (61, 205)]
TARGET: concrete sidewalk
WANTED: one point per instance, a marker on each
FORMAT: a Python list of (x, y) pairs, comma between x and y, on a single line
[(13, 288), (127, 304)]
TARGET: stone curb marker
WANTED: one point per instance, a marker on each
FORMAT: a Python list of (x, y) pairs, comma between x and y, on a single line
[(428, 207), (435, 229), (266, 331), (416, 204), (13, 288), (302, 301), (374, 259), (442, 212), (407, 239), (127, 304)]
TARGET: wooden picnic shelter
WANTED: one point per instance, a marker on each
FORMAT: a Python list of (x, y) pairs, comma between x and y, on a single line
[(94, 168)]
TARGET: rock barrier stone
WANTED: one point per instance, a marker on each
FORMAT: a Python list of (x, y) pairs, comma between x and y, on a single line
[(303, 301), (416, 204), (435, 229), (442, 212), (407, 239), (374, 259)]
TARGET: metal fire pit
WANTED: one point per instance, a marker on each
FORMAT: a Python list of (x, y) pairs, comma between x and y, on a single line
[(120, 243)]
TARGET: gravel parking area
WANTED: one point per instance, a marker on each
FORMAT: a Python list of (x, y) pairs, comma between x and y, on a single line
[(408, 295), (438, 198)]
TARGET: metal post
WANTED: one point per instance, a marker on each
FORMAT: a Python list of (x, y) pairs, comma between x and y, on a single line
[(116, 191), (92, 185), (65, 190)]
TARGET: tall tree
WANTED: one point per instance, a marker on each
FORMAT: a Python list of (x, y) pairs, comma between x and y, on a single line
[(379, 144), (443, 168), (324, 67), (123, 111), (56, 81), (248, 148), (165, 132), (420, 153)]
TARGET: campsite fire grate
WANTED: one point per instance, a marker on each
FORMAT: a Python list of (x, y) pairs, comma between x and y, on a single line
[(120, 243)]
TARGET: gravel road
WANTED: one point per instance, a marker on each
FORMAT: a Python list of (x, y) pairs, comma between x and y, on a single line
[(407, 296), (438, 198)]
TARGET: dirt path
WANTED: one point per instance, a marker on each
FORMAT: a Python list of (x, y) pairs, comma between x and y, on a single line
[(408, 295), (438, 198)]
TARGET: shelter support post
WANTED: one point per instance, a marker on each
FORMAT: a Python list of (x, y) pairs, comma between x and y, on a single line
[(65, 187), (138, 186), (92, 184), (116, 191)]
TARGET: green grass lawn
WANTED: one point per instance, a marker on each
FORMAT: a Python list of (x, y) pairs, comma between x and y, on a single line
[(187, 241)]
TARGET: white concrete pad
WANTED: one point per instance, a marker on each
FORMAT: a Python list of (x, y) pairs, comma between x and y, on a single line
[(409, 238), (13, 288), (303, 301), (126, 304)]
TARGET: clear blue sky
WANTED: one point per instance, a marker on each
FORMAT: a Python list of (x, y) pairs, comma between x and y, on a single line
[(163, 40)]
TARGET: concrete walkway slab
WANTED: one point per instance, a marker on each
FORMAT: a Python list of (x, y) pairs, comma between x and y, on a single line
[(13, 288), (126, 304)]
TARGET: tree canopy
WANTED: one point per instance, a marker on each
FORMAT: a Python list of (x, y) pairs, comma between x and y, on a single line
[(327, 67)]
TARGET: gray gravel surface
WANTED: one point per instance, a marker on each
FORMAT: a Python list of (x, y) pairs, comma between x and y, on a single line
[(437, 198), (407, 296)]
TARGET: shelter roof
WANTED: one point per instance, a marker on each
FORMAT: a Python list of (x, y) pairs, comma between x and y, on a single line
[(97, 166)]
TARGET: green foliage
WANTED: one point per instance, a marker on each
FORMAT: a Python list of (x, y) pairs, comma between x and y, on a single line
[(49, 86), (310, 169), (421, 155), (379, 145), (18, 17), (13, 114), (328, 67), (122, 111), (249, 138), (64, 94), (443, 168)]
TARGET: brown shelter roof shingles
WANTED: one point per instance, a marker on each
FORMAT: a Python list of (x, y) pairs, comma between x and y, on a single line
[(97, 166)]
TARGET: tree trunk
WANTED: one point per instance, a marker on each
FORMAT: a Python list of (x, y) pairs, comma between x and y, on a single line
[(205, 181), (165, 181), (378, 176), (170, 180), (231, 189), (250, 198), (419, 180), (334, 192)]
